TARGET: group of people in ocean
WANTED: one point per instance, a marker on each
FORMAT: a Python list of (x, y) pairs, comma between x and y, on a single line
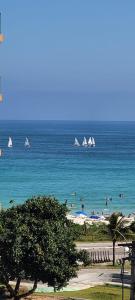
[(82, 206), (109, 199)]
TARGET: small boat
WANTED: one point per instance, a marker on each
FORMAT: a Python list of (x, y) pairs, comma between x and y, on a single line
[(84, 143), (93, 142), (10, 143), (1, 152), (90, 142), (76, 143), (27, 143)]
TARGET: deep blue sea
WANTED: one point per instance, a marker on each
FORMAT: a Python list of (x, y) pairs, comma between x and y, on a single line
[(52, 166)]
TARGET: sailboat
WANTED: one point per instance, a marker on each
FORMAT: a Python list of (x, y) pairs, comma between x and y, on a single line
[(1, 152), (93, 142), (76, 143), (90, 142), (10, 144), (27, 144), (84, 143)]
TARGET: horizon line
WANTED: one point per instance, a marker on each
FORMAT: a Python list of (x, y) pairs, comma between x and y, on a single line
[(61, 120)]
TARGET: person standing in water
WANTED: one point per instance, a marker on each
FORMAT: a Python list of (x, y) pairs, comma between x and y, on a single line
[(82, 206)]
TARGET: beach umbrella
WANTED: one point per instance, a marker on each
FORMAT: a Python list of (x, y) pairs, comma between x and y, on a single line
[(81, 213), (95, 217)]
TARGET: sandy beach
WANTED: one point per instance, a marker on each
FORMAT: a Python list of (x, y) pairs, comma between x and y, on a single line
[(82, 219)]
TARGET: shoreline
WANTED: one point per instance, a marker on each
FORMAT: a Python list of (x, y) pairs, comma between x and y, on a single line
[(96, 219)]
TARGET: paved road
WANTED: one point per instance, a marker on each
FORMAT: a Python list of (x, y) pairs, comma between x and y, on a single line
[(101, 246), (86, 278), (91, 277)]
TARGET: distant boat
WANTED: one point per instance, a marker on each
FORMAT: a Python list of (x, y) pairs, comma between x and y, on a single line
[(1, 152), (90, 142), (84, 143), (76, 143), (10, 143), (93, 142), (27, 143)]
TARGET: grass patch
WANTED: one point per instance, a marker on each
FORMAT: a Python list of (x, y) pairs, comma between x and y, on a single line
[(91, 233), (106, 292)]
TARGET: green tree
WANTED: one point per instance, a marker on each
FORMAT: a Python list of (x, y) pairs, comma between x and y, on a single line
[(83, 256), (117, 229), (36, 244), (132, 227)]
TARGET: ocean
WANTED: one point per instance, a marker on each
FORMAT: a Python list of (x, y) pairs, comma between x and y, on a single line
[(101, 178)]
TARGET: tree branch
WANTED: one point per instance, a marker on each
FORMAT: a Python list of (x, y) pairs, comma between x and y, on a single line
[(29, 292), (17, 286), (8, 286)]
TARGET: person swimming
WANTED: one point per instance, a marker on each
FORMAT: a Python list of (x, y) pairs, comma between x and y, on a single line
[(121, 195)]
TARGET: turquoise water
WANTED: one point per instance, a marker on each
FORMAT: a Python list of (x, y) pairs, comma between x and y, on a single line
[(53, 166), (51, 289)]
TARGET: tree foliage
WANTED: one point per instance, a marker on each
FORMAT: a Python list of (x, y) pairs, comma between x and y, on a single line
[(83, 256), (36, 244), (132, 227), (117, 229)]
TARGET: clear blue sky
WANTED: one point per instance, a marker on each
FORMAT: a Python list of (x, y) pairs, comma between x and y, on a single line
[(68, 59)]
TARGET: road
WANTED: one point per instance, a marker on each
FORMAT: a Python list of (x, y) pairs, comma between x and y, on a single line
[(86, 278), (101, 246)]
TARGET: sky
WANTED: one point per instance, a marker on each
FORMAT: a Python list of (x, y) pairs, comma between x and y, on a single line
[(68, 60)]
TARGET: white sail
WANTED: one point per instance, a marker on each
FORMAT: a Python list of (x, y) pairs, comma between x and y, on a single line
[(93, 142), (76, 143), (84, 143), (27, 144), (1, 152), (10, 144), (90, 142)]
